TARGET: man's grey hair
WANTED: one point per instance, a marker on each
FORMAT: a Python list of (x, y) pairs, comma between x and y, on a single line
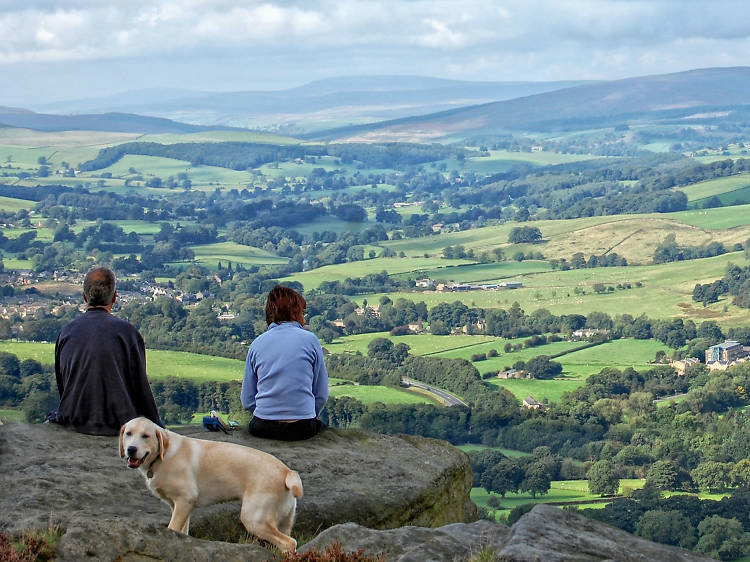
[(99, 286)]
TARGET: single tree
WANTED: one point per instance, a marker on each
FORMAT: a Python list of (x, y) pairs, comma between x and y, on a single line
[(603, 479)]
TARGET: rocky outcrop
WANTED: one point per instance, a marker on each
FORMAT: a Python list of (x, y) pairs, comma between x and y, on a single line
[(49, 475), (405, 497), (545, 534)]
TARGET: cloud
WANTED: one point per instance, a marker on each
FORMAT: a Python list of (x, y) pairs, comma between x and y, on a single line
[(296, 40)]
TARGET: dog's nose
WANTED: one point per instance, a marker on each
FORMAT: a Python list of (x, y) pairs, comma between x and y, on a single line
[(132, 450)]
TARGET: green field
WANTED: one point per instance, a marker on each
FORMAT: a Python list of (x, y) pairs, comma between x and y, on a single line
[(480, 272), (203, 368), (334, 224), (706, 189), (386, 395), (159, 363), (419, 344), (560, 491), (577, 365), (12, 204), (619, 354), (633, 236), (200, 176), (210, 255), (736, 197), (715, 219), (140, 227), (666, 292), (495, 363), (15, 263), (551, 390), (7, 414), (339, 272)]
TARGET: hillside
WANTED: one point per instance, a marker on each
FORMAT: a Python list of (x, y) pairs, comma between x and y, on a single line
[(686, 96), (109, 122), (323, 103)]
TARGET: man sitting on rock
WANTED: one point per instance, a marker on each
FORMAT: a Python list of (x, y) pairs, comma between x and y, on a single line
[(100, 364)]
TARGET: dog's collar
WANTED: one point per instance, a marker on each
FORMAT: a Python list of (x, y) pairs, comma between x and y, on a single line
[(149, 472)]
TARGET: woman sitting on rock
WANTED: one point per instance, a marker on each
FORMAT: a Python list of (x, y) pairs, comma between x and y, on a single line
[(286, 381)]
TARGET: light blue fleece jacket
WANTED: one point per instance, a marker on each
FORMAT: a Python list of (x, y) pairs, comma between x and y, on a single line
[(285, 374)]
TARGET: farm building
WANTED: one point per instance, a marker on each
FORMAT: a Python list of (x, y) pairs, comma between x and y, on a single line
[(682, 365), (531, 403)]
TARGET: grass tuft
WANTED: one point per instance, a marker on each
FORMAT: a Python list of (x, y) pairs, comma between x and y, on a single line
[(30, 546), (333, 553)]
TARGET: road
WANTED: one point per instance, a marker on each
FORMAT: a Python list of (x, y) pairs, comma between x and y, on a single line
[(449, 399)]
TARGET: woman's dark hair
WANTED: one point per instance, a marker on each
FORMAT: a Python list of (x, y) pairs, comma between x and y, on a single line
[(284, 304)]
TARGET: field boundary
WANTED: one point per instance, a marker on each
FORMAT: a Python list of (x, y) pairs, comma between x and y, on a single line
[(455, 348), (579, 348)]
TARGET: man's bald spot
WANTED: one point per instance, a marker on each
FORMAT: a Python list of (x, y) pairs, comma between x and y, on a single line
[(99, 286)]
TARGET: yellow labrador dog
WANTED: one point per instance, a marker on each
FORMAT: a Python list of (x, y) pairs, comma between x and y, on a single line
[(188, 473)]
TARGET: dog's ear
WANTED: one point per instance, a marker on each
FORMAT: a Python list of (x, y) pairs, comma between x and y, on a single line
[(122, 445), (163, 439)]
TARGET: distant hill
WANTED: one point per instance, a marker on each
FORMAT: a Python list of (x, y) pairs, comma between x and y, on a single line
[(320, 104), (8, 110), (696, 95), (114, 122)]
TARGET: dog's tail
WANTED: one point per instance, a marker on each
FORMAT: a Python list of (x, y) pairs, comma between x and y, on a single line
[(293, 483)]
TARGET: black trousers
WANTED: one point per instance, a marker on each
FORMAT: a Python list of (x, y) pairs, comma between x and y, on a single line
[(285, 431)]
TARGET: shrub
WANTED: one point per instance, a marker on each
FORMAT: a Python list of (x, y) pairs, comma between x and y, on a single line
[(517, 512), (333, 553)]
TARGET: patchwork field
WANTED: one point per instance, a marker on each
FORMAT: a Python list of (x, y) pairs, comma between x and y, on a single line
[(577, 365), (715, 219), (561, 491), (665, 291), (339, 272), (12, 204), (718, 186), (633, 236), (200, 176), (202, 368), (419, 344), (551, 390), (477, 273), (384, 394), (210, 255)]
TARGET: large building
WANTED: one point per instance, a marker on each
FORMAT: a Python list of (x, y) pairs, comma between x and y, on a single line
[(725, 354)]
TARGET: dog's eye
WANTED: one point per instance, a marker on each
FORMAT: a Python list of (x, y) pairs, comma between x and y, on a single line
[(146, 436), (128, 433)]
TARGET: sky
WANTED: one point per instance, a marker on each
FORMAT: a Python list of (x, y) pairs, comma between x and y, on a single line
[(63, 50)]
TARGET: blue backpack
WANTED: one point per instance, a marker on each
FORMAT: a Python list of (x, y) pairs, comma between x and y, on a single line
[(213, 424)]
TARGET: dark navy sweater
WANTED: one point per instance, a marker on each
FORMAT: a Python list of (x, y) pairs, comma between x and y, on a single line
[(100, 364)]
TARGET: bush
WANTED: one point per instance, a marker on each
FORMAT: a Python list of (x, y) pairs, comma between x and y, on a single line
[(478, 357), (517, 512)]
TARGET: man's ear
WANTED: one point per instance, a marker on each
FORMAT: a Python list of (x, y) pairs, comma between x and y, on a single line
[(114, 297), (85, 298), (163, 439), (122, 445)]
